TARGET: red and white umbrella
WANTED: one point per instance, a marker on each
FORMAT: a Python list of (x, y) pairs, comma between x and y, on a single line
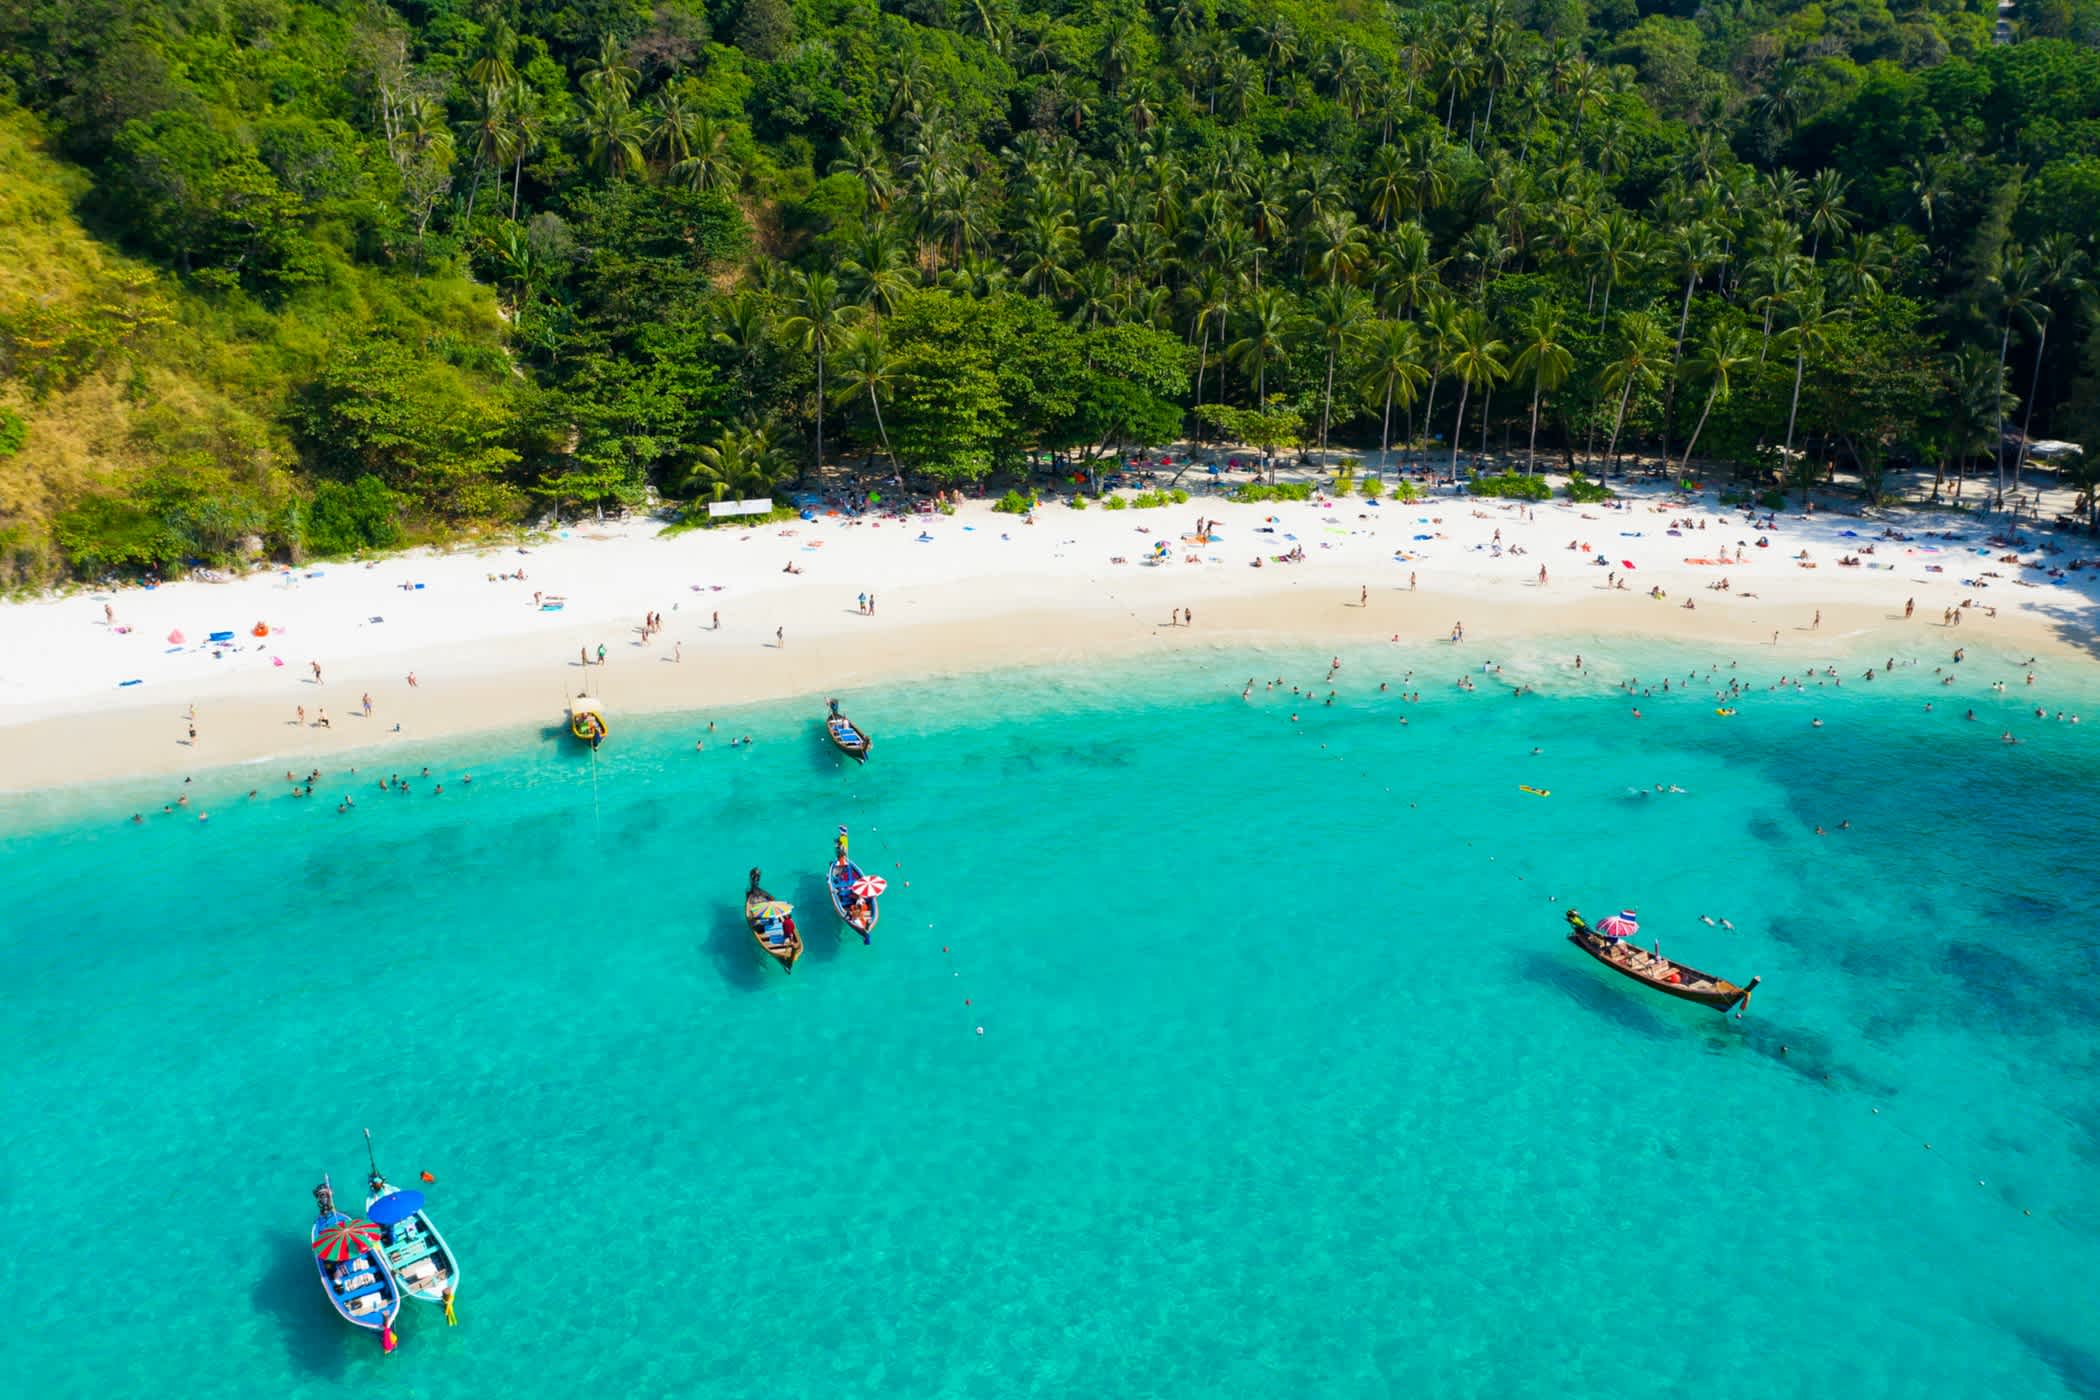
[(868, 886), (1620, 925)]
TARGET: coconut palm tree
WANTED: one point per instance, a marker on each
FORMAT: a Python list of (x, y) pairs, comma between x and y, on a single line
[(2062, 267), (1809, 335), (614, 132), (610, 76), (1209, 297), (1474, 357), (874, 274), (1335, 313), (1724, 351), (817, 316), (867, 366), (1824, 202), (708, 163), (1396, 372), (1264, 341), (2019, 293), (1644, 354), (1977, 401), (1545, 360), (742, 460)]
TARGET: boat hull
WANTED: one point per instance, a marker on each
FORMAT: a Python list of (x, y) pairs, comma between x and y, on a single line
[(1715, 992), (839, 881), (375, 1317), (854, 747), (786, 953), (425, 1286)]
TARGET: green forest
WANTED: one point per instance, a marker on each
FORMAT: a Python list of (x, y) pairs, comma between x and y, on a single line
[(313, 276)]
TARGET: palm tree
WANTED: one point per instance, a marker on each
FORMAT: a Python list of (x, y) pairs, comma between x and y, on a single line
[(1474, 356), (861, 157), (1618, 250), (708, 164), (1546, 360), (614, 132), (527, 125), (1337, 247), (1725, 350), (1268, 321), (489, 137), (610, 75), (874, 274), (1825, 203), (818, 316), (1336, 312), (1977, 400), (867, 366), (1643, 357), (1209, 295), (495, 66), (2019, 292), (671, 124), (1396, 372), (1809, 335), (743, 459), (2061, 264)]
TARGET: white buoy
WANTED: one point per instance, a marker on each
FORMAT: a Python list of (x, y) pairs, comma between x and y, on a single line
[(980, 1030)]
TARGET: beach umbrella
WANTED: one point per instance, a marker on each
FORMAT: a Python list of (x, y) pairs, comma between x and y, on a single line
[(1620, 925), (175, 637), (351, 1237), (771, 909), (395, 1207), (868, 886)]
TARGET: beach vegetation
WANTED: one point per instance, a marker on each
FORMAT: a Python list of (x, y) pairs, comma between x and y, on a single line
[(1584, 491), (513, 260), (1014, 503), (1253, 492), (1511, 486), (1113, 502)]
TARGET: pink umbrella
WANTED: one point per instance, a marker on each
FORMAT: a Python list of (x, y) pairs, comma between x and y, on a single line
[(868, 886), (1620, 925), (176, 636)]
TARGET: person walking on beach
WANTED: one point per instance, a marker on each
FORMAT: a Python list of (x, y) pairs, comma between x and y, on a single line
[(411, 686), (1188, 617), (193, 733), (1363, 596), (780, 638), (317, 671), (302, 716), (601, 653), (368, 704), (718, 622), (871, 605), (109, 614), (1910, 605), (864, 604), (678, 651), (1410, 583), (321, 718), (1176, 620), (1542, 575), (583, 656), (1818, 622)]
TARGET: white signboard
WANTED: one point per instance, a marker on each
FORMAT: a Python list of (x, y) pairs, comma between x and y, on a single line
[(757, 507)]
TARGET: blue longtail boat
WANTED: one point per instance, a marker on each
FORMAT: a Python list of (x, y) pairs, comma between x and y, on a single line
[(854, 892), (420, 1260)]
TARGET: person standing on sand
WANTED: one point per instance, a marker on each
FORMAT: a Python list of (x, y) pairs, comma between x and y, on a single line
[(1542, 575), (193, 734), (1410, 583), (780, 638), (109, 615), (718, 622), (1175, 621), (368, 704), (321, 718), (1818, 622), (678, 651), (317, 671), (1363, 596), (601, 653), (411, 686), (583, 656), (1188, 617), (1910, 605)]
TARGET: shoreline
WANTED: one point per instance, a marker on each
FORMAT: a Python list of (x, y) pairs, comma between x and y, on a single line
[(958, 595)]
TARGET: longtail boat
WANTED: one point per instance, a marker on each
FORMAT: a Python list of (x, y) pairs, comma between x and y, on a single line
[(854, 892), (851, 740), (1672, 978), (772, 923), (417, 1255), (353, 1271), (587, 720)]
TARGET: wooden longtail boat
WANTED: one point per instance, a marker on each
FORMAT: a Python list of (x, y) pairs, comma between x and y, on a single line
[(851, 740), (1665, 975), (857, 912), (358, 1283), (772, 924)]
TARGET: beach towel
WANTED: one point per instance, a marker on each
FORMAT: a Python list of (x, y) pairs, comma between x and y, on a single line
[(122, 684)]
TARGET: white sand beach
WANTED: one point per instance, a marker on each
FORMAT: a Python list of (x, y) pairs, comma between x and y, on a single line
[(86, 695)]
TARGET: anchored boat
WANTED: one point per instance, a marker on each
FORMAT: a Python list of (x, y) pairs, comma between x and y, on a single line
[(853, 891), (587, 720), (353, 1271), (422, 1263), (850, 740), (1609, 943), (772, 923)]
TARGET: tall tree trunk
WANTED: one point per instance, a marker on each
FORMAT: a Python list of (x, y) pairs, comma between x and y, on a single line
[(1458, 423), (516, 168), (1998, 393), (820, 408), (882, 432), (2034, 386), (1786, 454), (1202, 354), (1684, 317), (1326, 403), (1385, 426), (1686, 464), (1611, 449), (1531, 453)]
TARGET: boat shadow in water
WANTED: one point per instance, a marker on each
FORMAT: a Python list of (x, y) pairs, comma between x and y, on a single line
[(823, 932), (1576, 982), (288, 1299), (726, 939)]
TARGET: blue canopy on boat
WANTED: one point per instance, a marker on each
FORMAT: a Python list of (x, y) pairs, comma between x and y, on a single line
[(395, 1207)]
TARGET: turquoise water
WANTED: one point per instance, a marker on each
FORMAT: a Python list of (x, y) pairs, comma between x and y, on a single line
[(1288, 1083)]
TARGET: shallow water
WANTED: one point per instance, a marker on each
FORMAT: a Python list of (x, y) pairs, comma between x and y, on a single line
[(1289, 1083)]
